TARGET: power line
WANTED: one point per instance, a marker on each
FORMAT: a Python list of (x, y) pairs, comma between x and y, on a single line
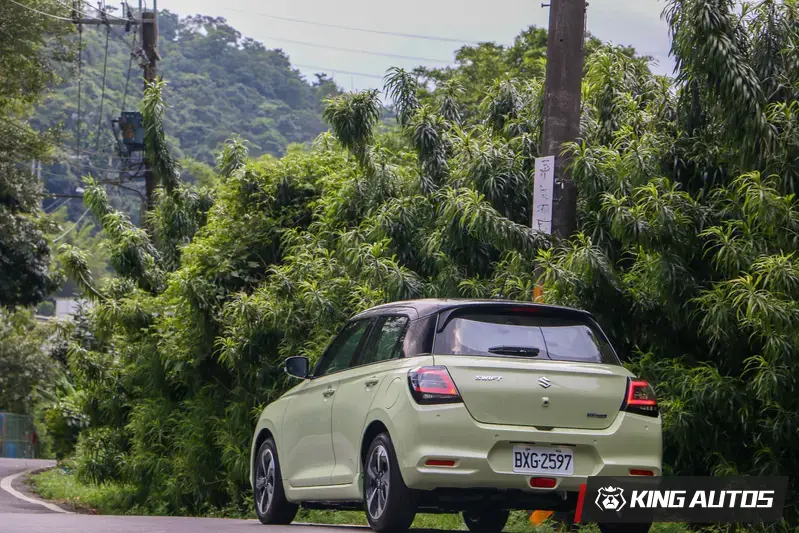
[(102, 96), (72, 8), (58, 145), (52, 207), (130, 65), (334, 71), (355, 50), (73, 226), (81, 2), (352, 28), (80, 76), (40, 12)]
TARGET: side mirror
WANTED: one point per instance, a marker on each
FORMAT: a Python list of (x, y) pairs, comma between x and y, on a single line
[(297, 367)]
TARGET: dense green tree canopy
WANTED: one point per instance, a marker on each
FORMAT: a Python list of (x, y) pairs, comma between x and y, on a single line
[(27, 67)]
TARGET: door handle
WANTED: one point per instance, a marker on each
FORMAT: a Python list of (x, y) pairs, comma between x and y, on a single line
[(371, 382), (329, 392)]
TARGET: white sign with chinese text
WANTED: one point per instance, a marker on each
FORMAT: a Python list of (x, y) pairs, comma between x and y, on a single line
[(544, 186)]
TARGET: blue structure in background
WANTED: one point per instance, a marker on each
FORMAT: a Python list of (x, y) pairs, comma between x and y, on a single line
[(17, 436)]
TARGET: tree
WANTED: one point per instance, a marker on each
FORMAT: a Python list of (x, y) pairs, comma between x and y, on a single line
[(29, 46), (23, 363)]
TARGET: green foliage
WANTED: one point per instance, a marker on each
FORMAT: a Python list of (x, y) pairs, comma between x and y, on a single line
[(688, 245), (24, 52), (23, 363), (26, 70)]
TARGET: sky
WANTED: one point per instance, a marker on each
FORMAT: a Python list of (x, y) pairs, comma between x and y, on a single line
[(453, 22)]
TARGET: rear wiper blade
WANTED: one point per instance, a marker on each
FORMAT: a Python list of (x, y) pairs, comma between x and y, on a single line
[(529, 351)]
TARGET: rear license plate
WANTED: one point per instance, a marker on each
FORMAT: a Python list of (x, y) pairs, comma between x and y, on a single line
[(540, 460)]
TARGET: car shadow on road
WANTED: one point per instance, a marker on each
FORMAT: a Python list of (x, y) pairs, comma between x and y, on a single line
[(357, 527)]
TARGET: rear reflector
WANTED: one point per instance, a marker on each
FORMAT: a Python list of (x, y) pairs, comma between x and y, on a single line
[(439, 462), (432, 385), (543, 482), (641, 473)]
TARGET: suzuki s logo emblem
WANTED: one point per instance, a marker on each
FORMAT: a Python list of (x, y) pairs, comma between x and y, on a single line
[(487, 378), (544, 382)]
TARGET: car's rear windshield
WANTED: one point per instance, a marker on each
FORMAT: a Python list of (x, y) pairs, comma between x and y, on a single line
[(525, 332)]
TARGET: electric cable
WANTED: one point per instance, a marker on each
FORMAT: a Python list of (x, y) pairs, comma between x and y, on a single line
[(102, 95), (352, 28), (72, 227), (80, 75), (130, 66), (60, 145), (357, 51), (76, 10), (322, 69), (81, 2), (55, 206), (40, 12)]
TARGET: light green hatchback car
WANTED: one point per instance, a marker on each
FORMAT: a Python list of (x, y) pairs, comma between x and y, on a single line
[(446, 406)]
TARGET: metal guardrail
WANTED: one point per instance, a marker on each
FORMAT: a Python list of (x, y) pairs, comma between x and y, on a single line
[(17, 436)]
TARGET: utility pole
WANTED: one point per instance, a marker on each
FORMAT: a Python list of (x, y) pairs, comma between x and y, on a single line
[(149, 39), (148, 24), (562, 103), (562, 106)]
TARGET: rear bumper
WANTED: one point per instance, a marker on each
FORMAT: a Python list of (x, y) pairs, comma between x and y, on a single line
[(483, 452)]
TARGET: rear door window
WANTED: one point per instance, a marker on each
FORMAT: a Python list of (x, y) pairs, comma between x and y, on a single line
[(342, 351), (526, 333), (386, 340)]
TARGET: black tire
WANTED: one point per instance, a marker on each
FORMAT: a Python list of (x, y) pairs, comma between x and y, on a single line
[(486, 520), (624, 528), (271, 506), (383, 483)]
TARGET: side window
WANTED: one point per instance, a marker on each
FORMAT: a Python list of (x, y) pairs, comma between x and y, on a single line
[(386, 341), (341, 351)]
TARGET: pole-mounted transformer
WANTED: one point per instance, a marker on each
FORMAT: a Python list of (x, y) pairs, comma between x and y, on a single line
[(131, 130)]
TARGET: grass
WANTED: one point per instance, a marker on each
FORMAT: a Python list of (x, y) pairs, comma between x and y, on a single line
[(61, 486)]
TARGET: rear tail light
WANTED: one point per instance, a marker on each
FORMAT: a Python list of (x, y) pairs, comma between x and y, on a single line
[(640, 398), (432, 385), (634, 472)]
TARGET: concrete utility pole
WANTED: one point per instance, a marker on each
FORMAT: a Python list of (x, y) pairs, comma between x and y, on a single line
[(565, 52), (149, 39)]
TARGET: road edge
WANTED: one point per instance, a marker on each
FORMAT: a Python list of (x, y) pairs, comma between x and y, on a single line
[(6, 485)]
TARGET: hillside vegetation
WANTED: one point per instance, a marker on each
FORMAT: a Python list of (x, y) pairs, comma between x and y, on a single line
[(220, 82)]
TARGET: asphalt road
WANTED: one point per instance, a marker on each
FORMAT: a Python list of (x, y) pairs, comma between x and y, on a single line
[(18, 516)]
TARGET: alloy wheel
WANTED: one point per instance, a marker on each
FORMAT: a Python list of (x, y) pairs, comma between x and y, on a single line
[(265, 481), (377, 482)]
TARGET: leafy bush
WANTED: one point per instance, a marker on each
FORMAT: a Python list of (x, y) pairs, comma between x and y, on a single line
[(23, 363), (99, 455)]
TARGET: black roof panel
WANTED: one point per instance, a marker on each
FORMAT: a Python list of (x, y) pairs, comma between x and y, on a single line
[(427, 306)]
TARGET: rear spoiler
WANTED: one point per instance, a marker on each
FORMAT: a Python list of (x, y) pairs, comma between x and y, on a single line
[(447, 314)]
